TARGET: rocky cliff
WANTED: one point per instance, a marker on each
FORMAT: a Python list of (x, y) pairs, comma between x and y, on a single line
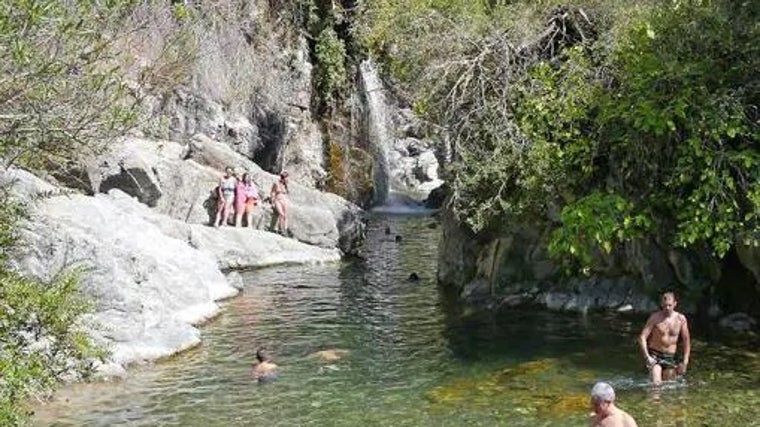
[(512, 267)]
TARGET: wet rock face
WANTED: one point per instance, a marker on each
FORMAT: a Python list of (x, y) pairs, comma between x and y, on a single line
[(517, 269), (413, 162)]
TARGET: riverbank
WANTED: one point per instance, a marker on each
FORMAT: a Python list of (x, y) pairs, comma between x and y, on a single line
[(448, 367), (152, 278)]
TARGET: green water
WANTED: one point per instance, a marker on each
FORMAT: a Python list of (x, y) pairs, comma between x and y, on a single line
[(414, 359)]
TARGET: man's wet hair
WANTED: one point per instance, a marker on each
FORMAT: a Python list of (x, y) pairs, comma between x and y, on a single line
[(603, 392), (669, 292), (262, 355)]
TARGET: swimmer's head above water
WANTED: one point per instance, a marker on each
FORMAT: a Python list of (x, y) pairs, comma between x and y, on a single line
[(262, 355), (603, 392)]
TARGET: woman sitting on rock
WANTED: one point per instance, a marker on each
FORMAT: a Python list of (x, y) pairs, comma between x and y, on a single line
[(246, 199), (279, 203), (226, 194)]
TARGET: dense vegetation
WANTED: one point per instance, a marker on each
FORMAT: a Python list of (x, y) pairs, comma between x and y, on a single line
[(63, 96), (602, 121), (42, 334)]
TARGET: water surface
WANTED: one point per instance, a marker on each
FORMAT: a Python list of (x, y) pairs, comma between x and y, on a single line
[(414, 358)]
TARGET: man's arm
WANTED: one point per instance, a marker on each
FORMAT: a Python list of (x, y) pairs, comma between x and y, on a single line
[(644, 336), (686, 337)]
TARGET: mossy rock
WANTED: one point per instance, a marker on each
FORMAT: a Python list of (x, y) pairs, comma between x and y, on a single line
[(538, 386), (529, 369)]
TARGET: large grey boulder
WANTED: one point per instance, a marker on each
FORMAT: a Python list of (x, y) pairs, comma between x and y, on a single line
[(149, 289), (273, 127), (180, 181), (152, 277), (231, 247), (318, 218)]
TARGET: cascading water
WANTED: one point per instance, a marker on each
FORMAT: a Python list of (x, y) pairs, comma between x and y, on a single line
[(390, 195), (378, 123)]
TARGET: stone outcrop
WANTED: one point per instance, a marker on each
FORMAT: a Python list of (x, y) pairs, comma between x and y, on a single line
[(513, 268), (273, 125), (153, 278), (180, 181)]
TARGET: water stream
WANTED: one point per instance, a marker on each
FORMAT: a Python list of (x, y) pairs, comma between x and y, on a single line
[(415, 358), (378, 128)]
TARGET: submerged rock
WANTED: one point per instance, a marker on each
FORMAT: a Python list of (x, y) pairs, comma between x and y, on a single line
[(330, 355), (542, 387)]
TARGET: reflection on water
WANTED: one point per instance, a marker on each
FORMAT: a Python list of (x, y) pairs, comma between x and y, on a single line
[(410, 358)]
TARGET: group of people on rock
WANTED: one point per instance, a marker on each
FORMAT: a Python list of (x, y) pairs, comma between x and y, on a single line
[(241, 197), (658, 342)]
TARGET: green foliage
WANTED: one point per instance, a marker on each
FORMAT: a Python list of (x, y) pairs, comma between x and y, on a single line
[(61, 90), (332, 75), (41, 333), (679, 122), (647, 127), (596, 221), (181, 11)]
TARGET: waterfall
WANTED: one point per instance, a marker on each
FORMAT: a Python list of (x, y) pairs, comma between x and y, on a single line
[(378, 128)]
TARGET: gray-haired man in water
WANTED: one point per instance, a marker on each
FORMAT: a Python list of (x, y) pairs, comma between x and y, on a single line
[(659, 339), (606, 414)]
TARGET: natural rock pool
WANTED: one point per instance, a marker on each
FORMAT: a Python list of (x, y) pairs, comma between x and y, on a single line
[(410, 358)]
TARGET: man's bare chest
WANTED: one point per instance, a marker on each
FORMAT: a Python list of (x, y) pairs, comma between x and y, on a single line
[(668, 327)]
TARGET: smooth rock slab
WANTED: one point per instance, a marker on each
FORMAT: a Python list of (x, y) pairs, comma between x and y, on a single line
[(152, 278)]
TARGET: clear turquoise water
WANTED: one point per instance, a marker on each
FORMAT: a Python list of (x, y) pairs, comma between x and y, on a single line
[(414, 358)]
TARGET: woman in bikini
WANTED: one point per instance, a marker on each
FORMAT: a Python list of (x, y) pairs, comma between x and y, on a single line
[(226, 193), (246, 198), (279, 202)]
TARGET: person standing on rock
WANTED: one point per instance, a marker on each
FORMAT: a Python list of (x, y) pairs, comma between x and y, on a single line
[(265, 370), (659, 340), (280, 203), (226, 194), (246, 199), (606, 413)]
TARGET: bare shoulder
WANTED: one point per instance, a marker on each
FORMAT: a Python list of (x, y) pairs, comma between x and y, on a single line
[(682, 318), (629, 421), (654, 318)]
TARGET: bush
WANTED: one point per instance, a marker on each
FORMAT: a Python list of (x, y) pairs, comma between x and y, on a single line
[(634, 119), (42, 337), (62, 90)]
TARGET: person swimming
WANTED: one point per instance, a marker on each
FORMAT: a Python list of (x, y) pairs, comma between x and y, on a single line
[(265, 370)]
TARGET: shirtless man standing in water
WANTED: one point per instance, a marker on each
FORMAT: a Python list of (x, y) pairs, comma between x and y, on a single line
[(659, 338)]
